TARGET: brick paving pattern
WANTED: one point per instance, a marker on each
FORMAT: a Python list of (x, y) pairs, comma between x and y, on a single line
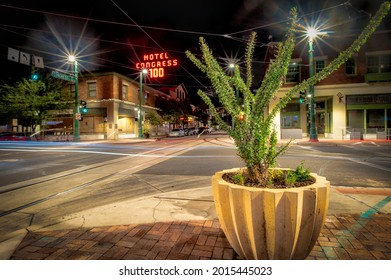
[(344, 237)]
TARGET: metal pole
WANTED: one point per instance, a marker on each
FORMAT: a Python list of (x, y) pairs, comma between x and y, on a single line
[(140, 123), (76, 115), (313, 134)]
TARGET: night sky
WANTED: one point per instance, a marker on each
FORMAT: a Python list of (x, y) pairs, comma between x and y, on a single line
[(112, 35)]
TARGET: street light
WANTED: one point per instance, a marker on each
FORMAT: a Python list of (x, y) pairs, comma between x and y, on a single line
[(311, 34), (140, 122), (76, 111)]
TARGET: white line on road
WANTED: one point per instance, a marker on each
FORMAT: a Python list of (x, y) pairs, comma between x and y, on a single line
[(116, 154)]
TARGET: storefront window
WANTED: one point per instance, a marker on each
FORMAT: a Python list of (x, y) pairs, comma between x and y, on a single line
[(375, 120), (290, 116), (290, 121), (355, 119)]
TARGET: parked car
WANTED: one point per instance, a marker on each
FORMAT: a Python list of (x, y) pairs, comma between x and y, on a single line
[(14, 136), (204, 130), (190, 131), (176, 132), (54, 134)]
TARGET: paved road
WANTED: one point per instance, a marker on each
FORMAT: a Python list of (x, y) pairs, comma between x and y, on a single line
[(44, 198), (43, 184)]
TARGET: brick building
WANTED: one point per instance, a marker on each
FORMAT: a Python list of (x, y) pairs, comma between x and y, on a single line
[(113, 105), (354, 101)]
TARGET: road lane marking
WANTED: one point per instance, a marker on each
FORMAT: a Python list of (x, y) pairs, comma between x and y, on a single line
[(119, 154)]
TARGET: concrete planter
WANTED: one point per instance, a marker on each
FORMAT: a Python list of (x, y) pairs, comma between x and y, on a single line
[(262, 223)]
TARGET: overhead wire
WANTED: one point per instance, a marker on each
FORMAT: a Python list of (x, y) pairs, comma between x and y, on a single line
[(153, 40), (114, 22), (142, 27)]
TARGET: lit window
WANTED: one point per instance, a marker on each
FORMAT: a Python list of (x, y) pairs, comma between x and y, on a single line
[(385, 63), (319, 65), (290, 116), (379, 64), (124, 92), (293, 75), (91, 89)]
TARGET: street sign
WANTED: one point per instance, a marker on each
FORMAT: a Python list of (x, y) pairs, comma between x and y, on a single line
[(24, 58), (13, 54), (62, 76), (78, 116), (38, 61)]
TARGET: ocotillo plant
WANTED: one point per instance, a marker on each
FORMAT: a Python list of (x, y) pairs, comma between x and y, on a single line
[(253, 132)]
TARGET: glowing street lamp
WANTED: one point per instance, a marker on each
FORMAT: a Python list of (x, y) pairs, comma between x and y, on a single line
[(76, 111), (311, 34), (140, 122)]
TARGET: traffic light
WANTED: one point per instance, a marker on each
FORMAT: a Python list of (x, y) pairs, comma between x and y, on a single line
[(34, 76), (241, 117), (303, 98), (83, 106)]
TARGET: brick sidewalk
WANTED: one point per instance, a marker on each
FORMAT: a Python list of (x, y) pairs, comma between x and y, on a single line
[(343, 237)]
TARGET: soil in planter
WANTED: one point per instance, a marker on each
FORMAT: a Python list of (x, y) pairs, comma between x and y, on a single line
[(279, 179)]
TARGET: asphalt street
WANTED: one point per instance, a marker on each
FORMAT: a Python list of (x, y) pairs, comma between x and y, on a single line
[(45, 185)]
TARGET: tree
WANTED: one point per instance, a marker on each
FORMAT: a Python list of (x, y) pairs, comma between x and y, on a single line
[(253, 133), (32, 102), (173, 110), (152, 119), (202, 115)]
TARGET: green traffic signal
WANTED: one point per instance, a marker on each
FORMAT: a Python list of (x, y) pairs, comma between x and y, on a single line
[(34, 77), (83, 106)]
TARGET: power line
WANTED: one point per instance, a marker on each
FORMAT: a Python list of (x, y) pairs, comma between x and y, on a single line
[(113, 22), (142, 27), (155, 41)]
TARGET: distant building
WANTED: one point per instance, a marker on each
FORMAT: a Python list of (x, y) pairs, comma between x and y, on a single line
[(112, 105), (354, 101)]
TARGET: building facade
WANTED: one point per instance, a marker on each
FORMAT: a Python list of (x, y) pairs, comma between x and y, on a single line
[(353, 102), (112, 102)]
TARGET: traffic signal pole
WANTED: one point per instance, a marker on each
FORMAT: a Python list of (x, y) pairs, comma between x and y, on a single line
[(140, 99), (76, 115)]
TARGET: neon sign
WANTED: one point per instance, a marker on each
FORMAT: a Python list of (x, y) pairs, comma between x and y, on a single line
[(156, 63)]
